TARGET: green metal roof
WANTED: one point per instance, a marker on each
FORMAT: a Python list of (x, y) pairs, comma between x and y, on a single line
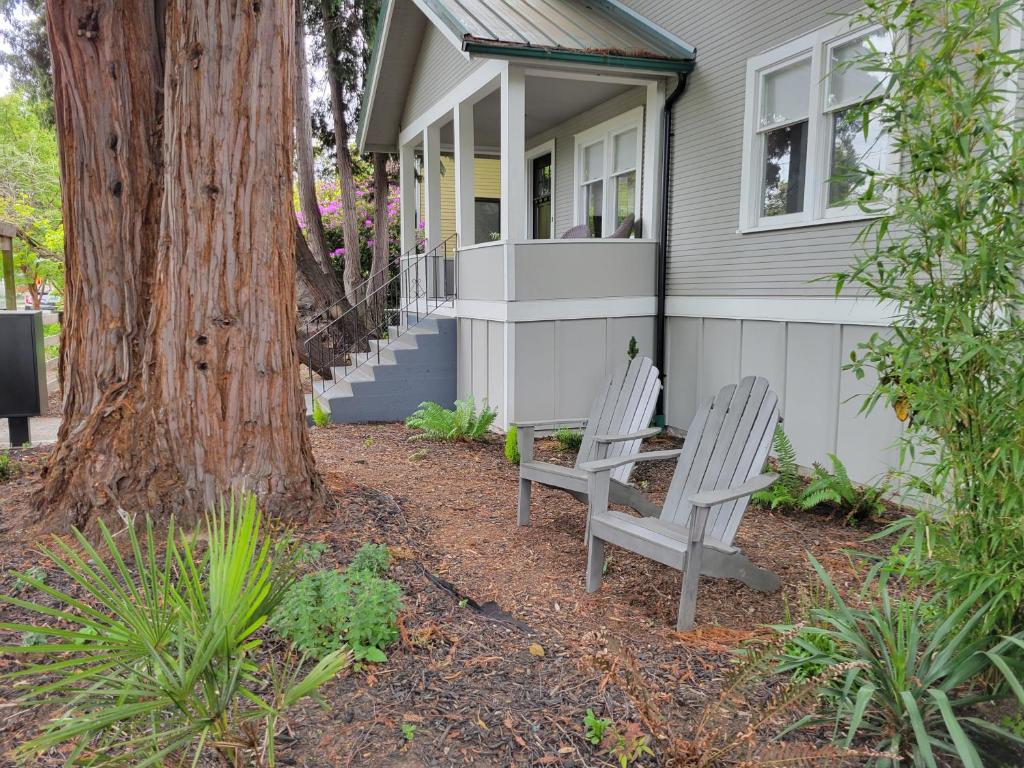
[(601, 32)]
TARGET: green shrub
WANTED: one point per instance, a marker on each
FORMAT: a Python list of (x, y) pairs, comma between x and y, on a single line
[(154, 656), (854, 502), (595, 727), (374, 558), (945, 253), (913, 675), (633, 349), (7, 468), (355, 608), (461, 423), (512, 445), (785, 492), (320, 417), (569, 439)]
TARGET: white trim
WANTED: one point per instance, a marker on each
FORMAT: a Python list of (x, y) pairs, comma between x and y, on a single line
[(479, 83), (654, 111), (556, 309), (845, 311), (596, 77), (632, 119), (465, 173), (509, 374), (530, 155), (513, 148), (375, 75), (813, 47)]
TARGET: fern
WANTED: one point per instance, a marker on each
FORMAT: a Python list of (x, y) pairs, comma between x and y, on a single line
[(320, 417), (461, 423), (854, 502), (784, 493)]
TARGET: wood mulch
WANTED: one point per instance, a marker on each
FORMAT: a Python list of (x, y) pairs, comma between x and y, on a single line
[(483, 599)]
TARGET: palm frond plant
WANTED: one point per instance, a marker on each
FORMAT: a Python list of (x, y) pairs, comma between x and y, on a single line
[(916, 674), (156, 661), (461, 423)]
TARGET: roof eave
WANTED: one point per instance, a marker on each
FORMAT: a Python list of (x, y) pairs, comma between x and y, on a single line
[(649, 64)]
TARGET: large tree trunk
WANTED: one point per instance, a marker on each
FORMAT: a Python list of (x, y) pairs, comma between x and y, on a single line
[(308, 202), (352, 277), (379, 271), (204, 396)]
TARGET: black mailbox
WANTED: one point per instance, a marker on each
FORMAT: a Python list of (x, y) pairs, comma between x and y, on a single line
[(22, 371)]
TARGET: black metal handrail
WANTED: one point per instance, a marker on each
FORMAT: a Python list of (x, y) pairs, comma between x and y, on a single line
[(414, 292)]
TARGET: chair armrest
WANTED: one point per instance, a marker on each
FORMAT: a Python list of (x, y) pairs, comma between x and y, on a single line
[(603, 465), (643, 434), (716, 497), (548, 423)]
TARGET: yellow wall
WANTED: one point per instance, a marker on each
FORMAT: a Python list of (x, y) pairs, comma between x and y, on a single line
[(487, 183)]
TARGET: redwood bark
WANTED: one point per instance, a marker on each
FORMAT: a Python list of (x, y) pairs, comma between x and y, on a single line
[(181, 264), (379, 273)]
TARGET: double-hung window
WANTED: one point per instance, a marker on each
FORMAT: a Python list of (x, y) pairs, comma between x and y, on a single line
[(806, 155), (607, 173)]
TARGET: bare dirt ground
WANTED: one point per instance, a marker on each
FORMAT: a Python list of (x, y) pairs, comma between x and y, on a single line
[(483, 599)]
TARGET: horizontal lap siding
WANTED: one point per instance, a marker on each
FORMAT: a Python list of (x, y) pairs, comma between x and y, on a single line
[(707, 255), (441, 67)]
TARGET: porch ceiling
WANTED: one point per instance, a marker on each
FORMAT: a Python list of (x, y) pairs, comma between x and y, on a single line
[(549, 101)]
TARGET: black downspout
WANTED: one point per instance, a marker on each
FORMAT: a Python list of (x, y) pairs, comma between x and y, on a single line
[(666, 166)]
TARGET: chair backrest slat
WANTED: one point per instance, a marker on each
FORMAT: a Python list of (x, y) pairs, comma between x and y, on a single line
[(624, 404), (726, 445)]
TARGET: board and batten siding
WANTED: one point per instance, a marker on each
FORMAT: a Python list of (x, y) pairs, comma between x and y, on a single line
[(564, 135), (804, 363), (440, 67), (707, 256)]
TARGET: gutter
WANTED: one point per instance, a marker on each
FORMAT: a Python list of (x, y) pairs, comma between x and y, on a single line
[(592, 58), (660, 321)]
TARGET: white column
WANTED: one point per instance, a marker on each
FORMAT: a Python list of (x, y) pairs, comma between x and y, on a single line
[(513, 154), (432, 183), (407, 195), (465, 216), (651, 180)]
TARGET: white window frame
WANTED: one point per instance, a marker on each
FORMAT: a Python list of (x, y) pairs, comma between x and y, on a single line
[(531, 155), (815, 47), (606, 132)]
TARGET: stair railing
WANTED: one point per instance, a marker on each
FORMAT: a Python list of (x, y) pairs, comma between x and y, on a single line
[(414, 292)]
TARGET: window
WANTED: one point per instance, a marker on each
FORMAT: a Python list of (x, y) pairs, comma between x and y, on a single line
[(806, 157), (487, 211), (607, 160)]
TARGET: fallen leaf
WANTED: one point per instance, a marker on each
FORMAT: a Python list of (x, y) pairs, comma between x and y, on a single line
[(536, 649), (409, 717)]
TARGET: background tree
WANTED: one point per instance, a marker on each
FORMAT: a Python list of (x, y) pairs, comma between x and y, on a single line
[(27, 54), (181, 364)]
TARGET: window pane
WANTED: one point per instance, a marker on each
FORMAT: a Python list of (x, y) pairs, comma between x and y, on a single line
[(594, 202), (785, 94), (593, 161), (542, 176), (625, 196), (847, 83), (785, 160), (853, 155), (625, 151), (488, 219), (542, 220)]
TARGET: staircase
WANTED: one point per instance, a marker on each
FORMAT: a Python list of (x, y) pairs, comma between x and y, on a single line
[(407, 353)]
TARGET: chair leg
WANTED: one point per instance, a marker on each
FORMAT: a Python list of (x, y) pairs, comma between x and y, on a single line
[(595, 563), (524, 501), (691, 575)]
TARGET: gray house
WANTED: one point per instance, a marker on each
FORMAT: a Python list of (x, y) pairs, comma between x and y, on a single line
[(723, 130)]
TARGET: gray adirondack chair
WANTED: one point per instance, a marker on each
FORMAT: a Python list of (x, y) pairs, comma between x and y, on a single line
[(717, 470), (618, 421)]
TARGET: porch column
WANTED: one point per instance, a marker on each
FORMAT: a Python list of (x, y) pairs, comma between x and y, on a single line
[(513, 153), (465, 140), (432, 207), (407, 193), (651, 178)]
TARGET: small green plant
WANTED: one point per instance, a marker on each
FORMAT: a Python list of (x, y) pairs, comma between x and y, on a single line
[(327, 610), (627, 747), (461, 423), (320, 417), (633, 349), (512, 445), (374, 558), (785, 492), (914, 675), (309, 552), (408, 731), (419, 454), (569, 439), (855, 502), (368, 442), (154, 657), (7, 468), (35, 572), (595, 727)]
